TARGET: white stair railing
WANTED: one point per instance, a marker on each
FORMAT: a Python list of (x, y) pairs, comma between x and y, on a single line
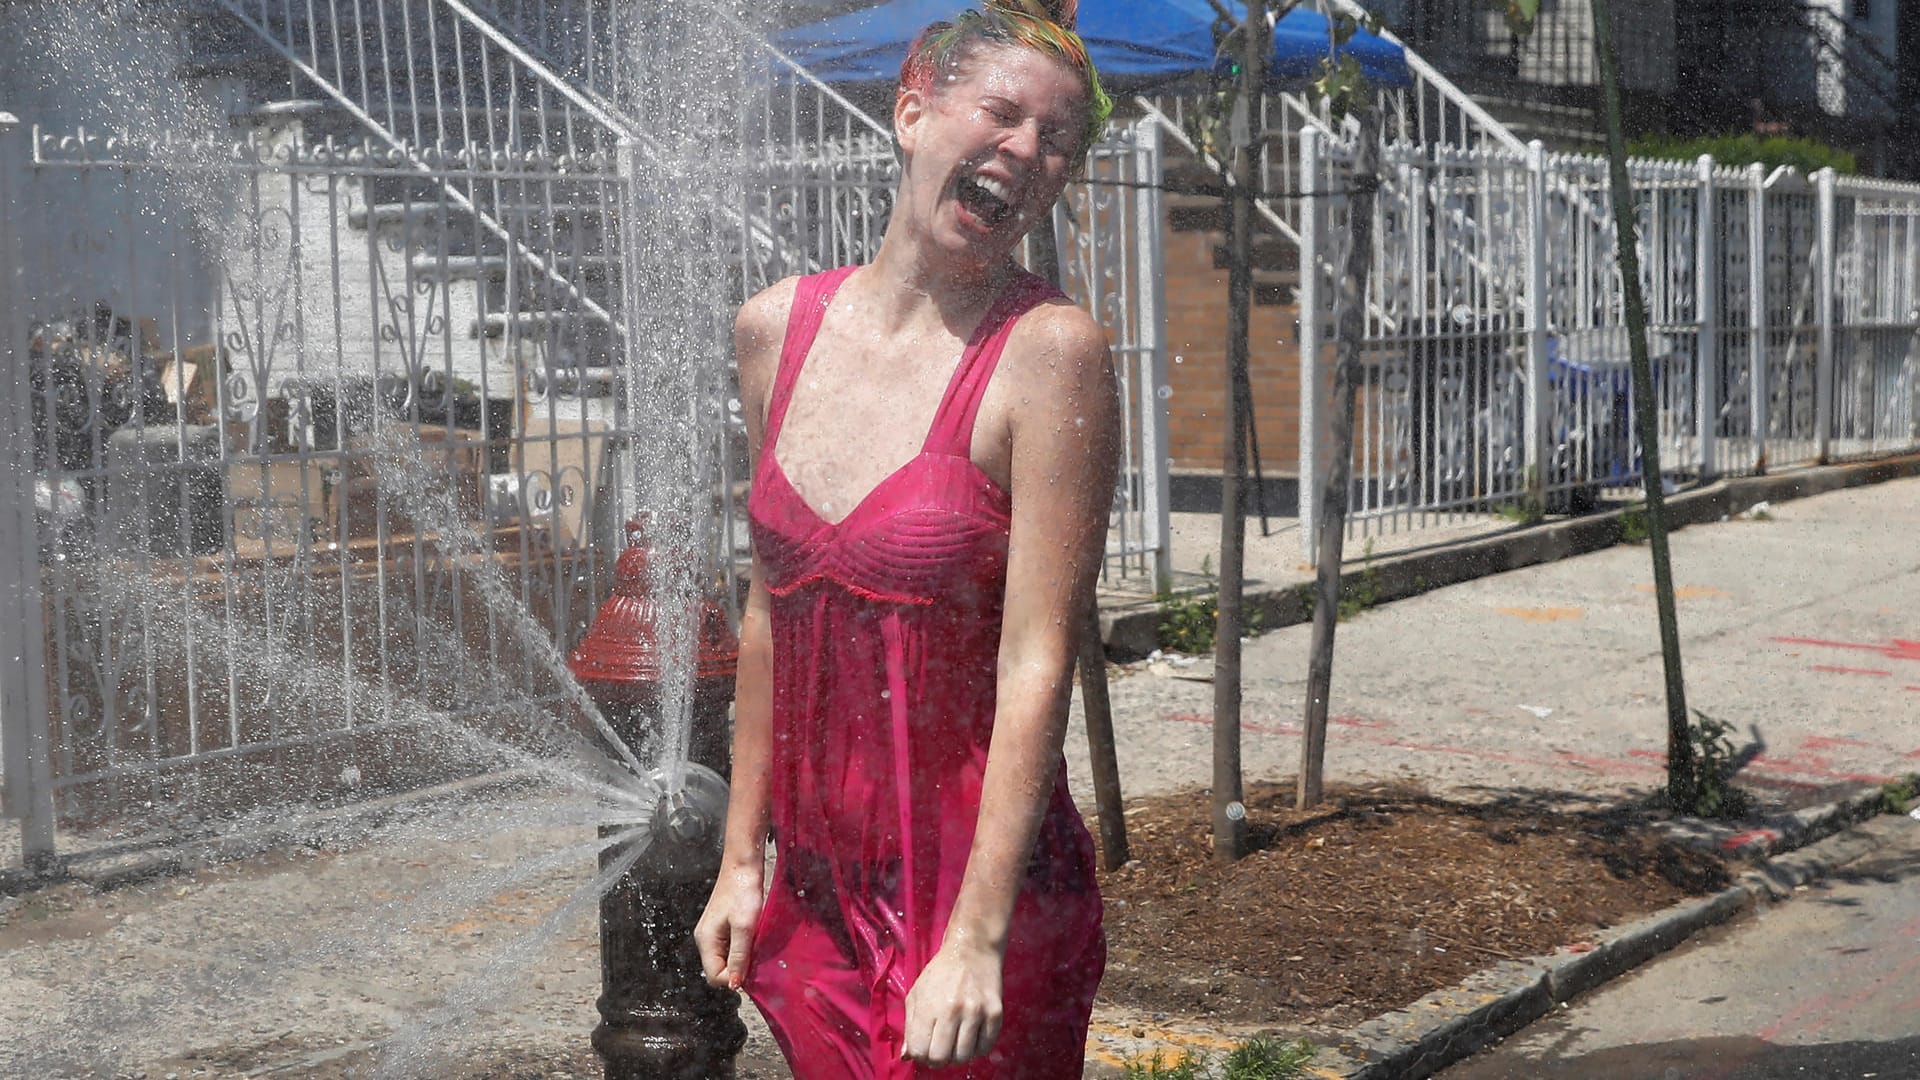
[(430, 78)]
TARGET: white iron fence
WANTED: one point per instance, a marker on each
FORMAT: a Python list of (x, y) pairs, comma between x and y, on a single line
[(1783, 314), (297, 504)]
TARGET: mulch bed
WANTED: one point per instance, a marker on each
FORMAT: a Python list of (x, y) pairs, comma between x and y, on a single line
[(1368, 902)]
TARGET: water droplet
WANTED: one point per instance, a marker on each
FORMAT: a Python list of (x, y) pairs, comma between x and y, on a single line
[(1236, 812), (1164, 392), (884, 694)]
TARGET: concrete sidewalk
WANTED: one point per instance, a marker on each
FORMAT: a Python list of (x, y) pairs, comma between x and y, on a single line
[(1549, 678), (1402, 559)]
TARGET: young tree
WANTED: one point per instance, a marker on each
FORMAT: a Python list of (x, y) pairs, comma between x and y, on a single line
[(1343, 88), (1681, 773), (1254, 39)]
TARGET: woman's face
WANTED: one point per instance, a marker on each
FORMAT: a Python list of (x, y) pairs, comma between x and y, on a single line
[(989, 150)]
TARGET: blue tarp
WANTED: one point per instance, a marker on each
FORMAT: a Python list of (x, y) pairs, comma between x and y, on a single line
[(1135, 43)]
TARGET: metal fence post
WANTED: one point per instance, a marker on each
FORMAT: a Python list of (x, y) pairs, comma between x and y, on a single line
[(1757, 313), (27, 768), (1706, 283), (1910, 310), (1150, 272), (1539, 451), (1828, 228), (1308, 304)]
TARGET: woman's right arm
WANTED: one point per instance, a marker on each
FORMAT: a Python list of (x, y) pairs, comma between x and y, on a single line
[(724, 934)]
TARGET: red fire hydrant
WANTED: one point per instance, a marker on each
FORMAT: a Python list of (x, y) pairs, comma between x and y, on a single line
[(659, 1018)]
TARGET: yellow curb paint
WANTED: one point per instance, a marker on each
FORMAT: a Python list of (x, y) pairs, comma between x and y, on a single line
[(1185, 1043)]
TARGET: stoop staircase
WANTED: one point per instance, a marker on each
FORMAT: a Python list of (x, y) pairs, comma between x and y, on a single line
[(521, 124)]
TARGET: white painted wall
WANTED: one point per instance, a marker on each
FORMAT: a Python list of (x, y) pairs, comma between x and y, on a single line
[(65, 65)]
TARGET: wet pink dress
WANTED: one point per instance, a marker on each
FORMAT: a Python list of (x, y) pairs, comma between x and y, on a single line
[(886, 635)]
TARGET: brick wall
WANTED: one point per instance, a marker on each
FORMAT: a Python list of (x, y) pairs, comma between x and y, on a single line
[(1196, 362)]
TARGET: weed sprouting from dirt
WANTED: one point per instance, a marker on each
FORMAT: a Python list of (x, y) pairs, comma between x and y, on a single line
[(1706, 789), (1267, 1059), (1255, 1059), (1188, 619), (1634, 527), (1895, 795), (1156, 1066)]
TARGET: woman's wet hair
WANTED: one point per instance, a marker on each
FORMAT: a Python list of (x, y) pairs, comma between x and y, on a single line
[(1045, 26)]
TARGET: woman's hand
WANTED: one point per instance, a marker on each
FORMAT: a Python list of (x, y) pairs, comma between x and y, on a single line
[(724, 934), (954, 1011)]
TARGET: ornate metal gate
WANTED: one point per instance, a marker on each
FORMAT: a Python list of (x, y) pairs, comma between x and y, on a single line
[(306, 482)]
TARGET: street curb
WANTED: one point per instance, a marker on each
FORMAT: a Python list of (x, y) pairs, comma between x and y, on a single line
[(1450, 1024), (1756, 841), (1131, 628)]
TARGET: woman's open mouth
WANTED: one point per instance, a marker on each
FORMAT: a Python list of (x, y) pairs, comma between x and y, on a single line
[(986, 198)]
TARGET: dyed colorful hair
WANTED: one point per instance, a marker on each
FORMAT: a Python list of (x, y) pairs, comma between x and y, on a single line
[(1046, 26)]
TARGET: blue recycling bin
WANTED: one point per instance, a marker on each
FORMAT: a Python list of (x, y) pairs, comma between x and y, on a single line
[(1598, 393)]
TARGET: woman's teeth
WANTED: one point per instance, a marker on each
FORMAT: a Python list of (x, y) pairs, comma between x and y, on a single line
[(994, 188), (986, 197)]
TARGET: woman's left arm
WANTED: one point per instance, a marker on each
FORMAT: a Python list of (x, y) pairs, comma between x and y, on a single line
[(1065, 432)]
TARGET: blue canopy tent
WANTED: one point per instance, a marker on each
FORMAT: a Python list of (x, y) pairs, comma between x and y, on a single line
[(1136, 44)]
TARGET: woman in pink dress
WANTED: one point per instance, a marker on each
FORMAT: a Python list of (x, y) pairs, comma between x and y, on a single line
[(934, 444)]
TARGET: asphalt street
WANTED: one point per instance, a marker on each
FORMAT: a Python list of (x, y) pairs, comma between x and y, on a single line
[(1825, 985)]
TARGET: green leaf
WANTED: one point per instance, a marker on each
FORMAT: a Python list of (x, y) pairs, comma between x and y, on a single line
[(1521, 15)]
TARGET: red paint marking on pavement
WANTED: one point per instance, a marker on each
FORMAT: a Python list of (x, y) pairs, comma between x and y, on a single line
[(1597, 763), (1245, 725), (1789, 767), (1828, 742), (1897, 649), (1790, 1023), (1874, 985), (1740, 840), (1783, 767), (1358, 721), (1832, 670)]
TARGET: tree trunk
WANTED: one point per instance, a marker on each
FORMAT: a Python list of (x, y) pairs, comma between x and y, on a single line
[(1350, 325), (1229, 813), (1680, 771)]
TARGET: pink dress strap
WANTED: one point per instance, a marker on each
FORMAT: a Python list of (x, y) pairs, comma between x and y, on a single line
[(811, 297), (952, 429)]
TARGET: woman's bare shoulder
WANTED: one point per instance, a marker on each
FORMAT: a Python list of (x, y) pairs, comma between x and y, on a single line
[(758, 329), (1057, 344), (765, 313)]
